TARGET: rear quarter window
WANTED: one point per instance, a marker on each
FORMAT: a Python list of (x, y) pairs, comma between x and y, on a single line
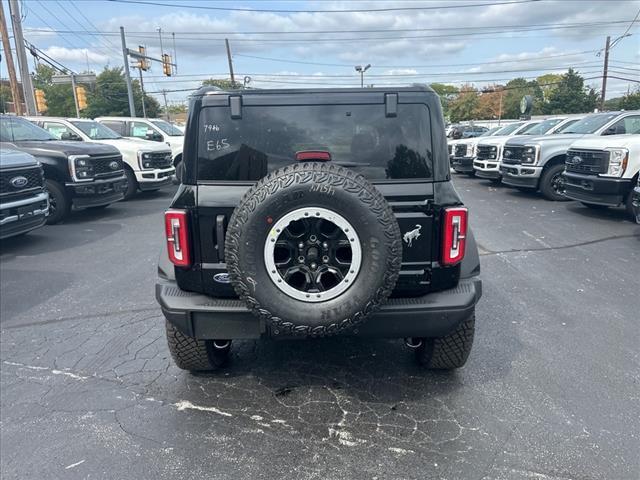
[(358, 137)]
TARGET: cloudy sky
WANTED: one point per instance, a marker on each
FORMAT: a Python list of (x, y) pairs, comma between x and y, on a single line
[(318, 43)]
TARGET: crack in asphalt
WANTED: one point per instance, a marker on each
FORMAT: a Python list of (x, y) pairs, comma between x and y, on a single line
[(487, 252), (80, 317)]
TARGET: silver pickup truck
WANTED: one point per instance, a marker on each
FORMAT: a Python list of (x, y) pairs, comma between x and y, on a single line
[(538, 163)]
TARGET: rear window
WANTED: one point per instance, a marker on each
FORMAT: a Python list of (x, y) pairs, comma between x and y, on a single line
[(358, 137)]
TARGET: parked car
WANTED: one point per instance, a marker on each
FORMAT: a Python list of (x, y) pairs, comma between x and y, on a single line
[(461, 152), (84, 175), (485, 166), (466, 131), (147, 165), (601, 171), (489, 149), (154, 129), (537, 163), (314, 220), (24, 202)]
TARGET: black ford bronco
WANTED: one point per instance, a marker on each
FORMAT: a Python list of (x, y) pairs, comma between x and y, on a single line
[(306, 213)]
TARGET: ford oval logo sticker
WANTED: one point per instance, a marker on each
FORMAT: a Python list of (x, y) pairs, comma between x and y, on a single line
[(19, 182), (222, 278)]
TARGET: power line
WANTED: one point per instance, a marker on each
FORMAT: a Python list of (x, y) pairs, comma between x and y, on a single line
[(58, 19), (416, 66), (51, 29), (396, 84), (104, 42), (391, 75), (497, 28), (367, 10), (627, 30)]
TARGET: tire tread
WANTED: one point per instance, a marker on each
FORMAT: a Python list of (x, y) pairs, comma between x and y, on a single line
[(337, 177), (448, 352)]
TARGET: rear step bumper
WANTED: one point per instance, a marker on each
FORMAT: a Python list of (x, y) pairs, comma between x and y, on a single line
[(432, 315)]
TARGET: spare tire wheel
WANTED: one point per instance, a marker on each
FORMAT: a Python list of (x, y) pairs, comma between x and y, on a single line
[(313, 249)]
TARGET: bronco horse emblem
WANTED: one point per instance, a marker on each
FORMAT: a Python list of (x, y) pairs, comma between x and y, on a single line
[(409, 237)]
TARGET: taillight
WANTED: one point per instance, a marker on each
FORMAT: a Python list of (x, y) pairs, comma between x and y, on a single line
[(313, 155), (454, 235), (175, 226)]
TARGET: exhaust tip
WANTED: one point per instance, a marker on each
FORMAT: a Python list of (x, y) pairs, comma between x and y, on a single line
[(413, 342), (221, 344)]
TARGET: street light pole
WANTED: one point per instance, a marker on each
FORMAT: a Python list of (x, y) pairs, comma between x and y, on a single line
[(361, 70)]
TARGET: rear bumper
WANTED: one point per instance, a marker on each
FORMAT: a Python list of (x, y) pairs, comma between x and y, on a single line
[(462, 164), (23, 215), (520, 175), (596, 190), (97, 192), (432, 315)]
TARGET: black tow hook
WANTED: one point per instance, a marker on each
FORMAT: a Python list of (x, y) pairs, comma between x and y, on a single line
[(413, 342)]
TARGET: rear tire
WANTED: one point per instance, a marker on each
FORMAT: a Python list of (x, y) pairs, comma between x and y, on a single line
[(192, 354), (471, 174), (448, 352), (59, 202), (628, 204), (132, 184), (551, 184)]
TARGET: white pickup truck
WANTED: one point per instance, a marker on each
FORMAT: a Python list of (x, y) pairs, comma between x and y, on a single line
[(487, 162), (154, 129), (148, 165), (601, 171)]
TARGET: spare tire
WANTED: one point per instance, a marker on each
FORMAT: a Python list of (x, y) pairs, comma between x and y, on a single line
[(313, 249)]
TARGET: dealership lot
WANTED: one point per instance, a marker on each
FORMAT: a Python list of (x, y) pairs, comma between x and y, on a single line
[(550, 391)]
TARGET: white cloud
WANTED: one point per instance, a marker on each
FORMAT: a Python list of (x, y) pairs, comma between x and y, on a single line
[(77, 55)]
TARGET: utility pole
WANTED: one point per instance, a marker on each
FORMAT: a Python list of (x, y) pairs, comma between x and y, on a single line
[(175, 55), (605, 72), (233, 79), (166, 107), (127, 73), (144, 111), (13, 81), (75, 95), (25, 77)]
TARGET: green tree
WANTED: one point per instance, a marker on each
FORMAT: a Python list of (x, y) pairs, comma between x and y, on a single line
[(222, 83), (631, 101), (5, 98), (571, 95), (174, 109), (548, 83), (446, 94), (612, 103), (109, 96), (59, 97), (514, 91), (464, 106)]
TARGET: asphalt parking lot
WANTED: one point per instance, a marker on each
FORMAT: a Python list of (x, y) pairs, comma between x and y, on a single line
[(550, 391)]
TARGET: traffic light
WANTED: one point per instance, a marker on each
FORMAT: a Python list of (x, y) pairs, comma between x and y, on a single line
[(166, 64), (41, 101), (81, 95), (143, 63)]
